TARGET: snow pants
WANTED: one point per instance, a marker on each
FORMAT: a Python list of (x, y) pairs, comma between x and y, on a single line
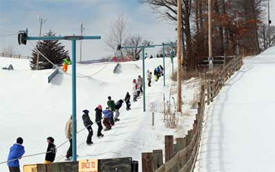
[(89, 137), (70, 151), (117, 114), (14, 169), (128, 105), (99, 128), (107, 123)]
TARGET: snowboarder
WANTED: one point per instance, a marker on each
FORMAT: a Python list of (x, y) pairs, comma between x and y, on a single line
[(51, 151), (88, 124), (156, 75), (68, 132), (135, 90), (16, 153), (127, 101), (111, 104), (98, 118), (117, 107), (139, 82), (108, 115), (149, 78)]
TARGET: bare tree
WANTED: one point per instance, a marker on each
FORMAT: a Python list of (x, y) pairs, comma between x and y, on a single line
[(134, 41), (8, 51), (117, 34)]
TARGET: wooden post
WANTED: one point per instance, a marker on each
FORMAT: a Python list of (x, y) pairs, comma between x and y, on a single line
[(147, 162), (179, 44), (157, 159), (169, 147)]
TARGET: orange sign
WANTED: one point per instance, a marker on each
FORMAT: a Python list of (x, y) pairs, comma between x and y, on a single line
[(88, 165)]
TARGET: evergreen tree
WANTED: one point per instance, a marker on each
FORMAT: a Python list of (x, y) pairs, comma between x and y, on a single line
[(53, 50)]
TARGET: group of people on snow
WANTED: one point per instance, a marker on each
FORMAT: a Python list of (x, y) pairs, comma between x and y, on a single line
[(17, 150), (107, 115)]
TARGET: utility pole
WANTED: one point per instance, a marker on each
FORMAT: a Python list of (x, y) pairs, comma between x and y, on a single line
[(41, 21), (179, 44), (210, 56), (81, 33), (269, 22)]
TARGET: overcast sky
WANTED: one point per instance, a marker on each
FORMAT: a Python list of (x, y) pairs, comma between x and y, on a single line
[(64, 18)]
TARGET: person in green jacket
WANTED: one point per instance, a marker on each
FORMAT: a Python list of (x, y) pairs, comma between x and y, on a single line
[(111, 104)]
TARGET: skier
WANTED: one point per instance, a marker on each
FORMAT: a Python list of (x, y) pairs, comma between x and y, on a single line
[(127, 101), (51, 151), (149, 78), (111, 104), (135, 90), (68, 132), (117, 107), (139, 82), (16, 153), (108, 115), (88, 124), (98, 118)]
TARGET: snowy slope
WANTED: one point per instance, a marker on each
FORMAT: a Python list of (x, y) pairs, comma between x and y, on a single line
[(239, 131), (34, 109)]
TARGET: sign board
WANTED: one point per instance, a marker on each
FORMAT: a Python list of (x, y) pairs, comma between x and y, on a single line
[(88, 165), (30, 168)]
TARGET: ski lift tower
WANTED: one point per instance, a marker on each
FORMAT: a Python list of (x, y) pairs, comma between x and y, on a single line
[(22, 39)]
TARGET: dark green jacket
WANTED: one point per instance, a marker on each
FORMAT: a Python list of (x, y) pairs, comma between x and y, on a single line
[(111, 104)]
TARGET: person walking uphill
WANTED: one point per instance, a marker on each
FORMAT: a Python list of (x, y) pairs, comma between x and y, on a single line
[(140, 83), (117, 107), (149, 78), (88, 124), (108, 116), (111, 104), (98, 118), (51, 151), (16, 152), (127, 101), (68, 132)]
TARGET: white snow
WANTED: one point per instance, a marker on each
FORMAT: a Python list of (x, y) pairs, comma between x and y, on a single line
[(33, 109), (239, 128)]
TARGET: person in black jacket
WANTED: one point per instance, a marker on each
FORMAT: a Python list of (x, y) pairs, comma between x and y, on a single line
[(98, 118), (51, 151), (88, 124), (127, 101), (117, 107)]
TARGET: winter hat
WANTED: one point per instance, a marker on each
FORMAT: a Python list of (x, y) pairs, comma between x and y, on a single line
[(85, 111), (134, 81), (19, 140), (109, 97), (99, 107), (50, 139)]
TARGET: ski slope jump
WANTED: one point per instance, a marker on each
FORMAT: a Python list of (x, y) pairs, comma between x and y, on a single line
[(239, 128)]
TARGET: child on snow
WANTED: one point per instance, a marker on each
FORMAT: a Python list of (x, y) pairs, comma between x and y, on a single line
[(117, 107), (149, 78), (135, 90), (88, 124), (108, 116), (98, 118), (16, 153), (127, 101), (68, 132), (51, 151), (139, 83)]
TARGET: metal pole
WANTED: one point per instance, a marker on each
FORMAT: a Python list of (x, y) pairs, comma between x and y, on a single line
[(163, 52), (81, 31), (179, 46), (210, 36), (41, 21), (269, 22), (74, 99), (143, 78)]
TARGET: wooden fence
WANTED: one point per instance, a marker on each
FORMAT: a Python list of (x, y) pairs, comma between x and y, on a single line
[(182, 156)]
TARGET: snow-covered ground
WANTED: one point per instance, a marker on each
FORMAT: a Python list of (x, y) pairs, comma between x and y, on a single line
[(239, 129), (33, 109)]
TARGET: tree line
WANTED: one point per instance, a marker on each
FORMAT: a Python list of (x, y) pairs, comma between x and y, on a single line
[(237, 27)]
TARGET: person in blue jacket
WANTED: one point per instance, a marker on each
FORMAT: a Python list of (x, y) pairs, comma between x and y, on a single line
[(108, 120), (16, 152)]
